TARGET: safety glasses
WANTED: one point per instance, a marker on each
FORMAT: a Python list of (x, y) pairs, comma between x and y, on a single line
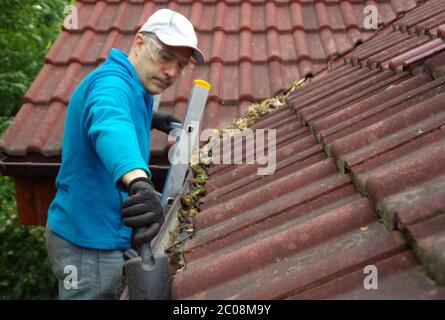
[(166, 58)]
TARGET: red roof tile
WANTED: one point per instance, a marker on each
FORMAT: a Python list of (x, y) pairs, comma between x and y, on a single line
[(254, 49), (430, 244), (310, 229), (400, 277)]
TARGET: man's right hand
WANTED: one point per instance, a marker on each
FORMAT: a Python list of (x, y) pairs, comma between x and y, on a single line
[(161, 121), (142, 211)]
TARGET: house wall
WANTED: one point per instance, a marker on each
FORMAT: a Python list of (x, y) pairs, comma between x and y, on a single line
[(33, 196)]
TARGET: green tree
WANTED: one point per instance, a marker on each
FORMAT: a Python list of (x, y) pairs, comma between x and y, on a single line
[(27, 30), (25, 270)]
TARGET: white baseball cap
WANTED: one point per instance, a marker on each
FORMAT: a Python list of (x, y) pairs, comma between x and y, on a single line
[(173, 29)]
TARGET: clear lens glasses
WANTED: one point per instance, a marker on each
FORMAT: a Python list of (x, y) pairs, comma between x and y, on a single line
[(166, 58)]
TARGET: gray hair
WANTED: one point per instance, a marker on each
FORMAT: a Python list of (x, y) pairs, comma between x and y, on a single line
[(146, 36)]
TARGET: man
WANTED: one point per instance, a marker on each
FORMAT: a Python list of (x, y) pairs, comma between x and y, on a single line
[(104, 191)]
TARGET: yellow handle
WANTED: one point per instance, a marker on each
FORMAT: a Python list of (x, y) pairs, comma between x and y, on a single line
[(202, 83)]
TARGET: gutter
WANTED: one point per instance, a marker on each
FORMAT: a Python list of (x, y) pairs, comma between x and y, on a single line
[(39, 169), (167, 234), (27, 168)]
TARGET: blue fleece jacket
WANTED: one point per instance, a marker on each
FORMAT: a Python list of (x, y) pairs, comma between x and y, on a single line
[(107, 134)]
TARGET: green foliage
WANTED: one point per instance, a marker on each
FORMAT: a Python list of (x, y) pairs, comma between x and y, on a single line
[(27, 30), (4, 123), (25, 271)]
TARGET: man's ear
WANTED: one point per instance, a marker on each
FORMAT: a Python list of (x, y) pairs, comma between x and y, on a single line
[(138, 42)]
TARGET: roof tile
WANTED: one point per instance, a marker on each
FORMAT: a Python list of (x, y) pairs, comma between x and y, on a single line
[(288, 262), (419, 15), (436, 65), (382, 111), (259, 47), (301, 205), (400, 277), (430, 244), (264, 193), (309, 230)]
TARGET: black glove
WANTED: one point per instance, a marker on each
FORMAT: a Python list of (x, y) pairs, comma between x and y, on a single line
[(142, 211), (161, 121)]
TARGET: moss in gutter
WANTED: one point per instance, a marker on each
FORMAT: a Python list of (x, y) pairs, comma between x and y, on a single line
[(188, 209)]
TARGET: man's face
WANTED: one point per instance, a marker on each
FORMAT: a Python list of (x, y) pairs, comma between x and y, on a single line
[(157, 65)]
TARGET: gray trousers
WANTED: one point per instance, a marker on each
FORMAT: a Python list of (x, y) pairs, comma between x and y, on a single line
[(84, 274)]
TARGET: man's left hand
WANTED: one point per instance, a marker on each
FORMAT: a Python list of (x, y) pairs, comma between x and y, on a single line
[(161, 121)]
